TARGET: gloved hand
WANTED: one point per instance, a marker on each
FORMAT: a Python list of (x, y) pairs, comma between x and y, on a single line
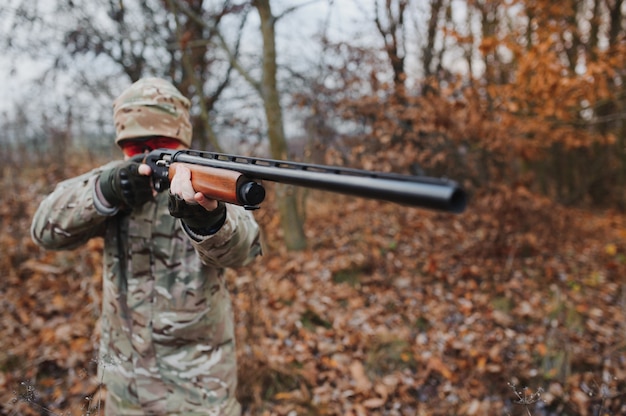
[(201, 215), (196, 217), (124, 187)]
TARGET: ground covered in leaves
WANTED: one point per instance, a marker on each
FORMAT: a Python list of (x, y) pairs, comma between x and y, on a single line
[(514, 307)]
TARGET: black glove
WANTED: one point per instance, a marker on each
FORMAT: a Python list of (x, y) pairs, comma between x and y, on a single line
[(196, 217), (123, 186)]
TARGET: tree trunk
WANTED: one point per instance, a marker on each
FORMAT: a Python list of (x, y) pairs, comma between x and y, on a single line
[(291, 219), (392, 36)]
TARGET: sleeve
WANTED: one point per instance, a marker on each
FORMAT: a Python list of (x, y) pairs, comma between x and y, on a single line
[(71, 215), (236, 243)]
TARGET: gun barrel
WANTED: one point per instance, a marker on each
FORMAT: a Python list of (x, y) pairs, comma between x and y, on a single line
[(419, 191)]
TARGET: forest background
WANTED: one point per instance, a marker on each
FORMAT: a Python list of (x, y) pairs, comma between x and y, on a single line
[(357, 307)]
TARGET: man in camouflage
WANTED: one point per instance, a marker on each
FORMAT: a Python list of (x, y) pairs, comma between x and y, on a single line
[(167, 344)]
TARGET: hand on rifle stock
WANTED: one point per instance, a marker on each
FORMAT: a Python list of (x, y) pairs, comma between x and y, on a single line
[(181, 185), (200, 213)]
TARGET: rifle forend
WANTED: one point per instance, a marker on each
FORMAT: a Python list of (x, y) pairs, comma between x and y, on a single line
[(234, 179)]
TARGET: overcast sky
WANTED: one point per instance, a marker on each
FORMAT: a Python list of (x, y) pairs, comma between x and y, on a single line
[(294, 36)]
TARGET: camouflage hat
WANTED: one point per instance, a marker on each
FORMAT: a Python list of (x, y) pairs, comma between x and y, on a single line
[(152, 107)]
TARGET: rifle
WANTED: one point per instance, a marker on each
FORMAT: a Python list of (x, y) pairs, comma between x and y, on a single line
[(236, 180)]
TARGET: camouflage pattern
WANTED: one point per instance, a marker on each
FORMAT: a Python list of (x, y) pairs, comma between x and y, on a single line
[(152, 107), (168, 342)]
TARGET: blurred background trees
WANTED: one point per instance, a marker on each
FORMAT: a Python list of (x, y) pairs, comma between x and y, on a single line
[(524, 92), (389, 310)]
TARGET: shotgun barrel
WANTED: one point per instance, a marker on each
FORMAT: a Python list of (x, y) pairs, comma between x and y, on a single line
[(418, 191)]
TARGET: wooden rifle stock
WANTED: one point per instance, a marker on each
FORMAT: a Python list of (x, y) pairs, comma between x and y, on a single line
[(223, 184), (234, 179)]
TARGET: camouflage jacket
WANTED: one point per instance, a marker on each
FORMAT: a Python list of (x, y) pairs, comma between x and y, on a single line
[(167, 343)]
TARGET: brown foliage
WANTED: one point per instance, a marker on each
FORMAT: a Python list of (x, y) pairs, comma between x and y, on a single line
[(547, 112), (391, 310)]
